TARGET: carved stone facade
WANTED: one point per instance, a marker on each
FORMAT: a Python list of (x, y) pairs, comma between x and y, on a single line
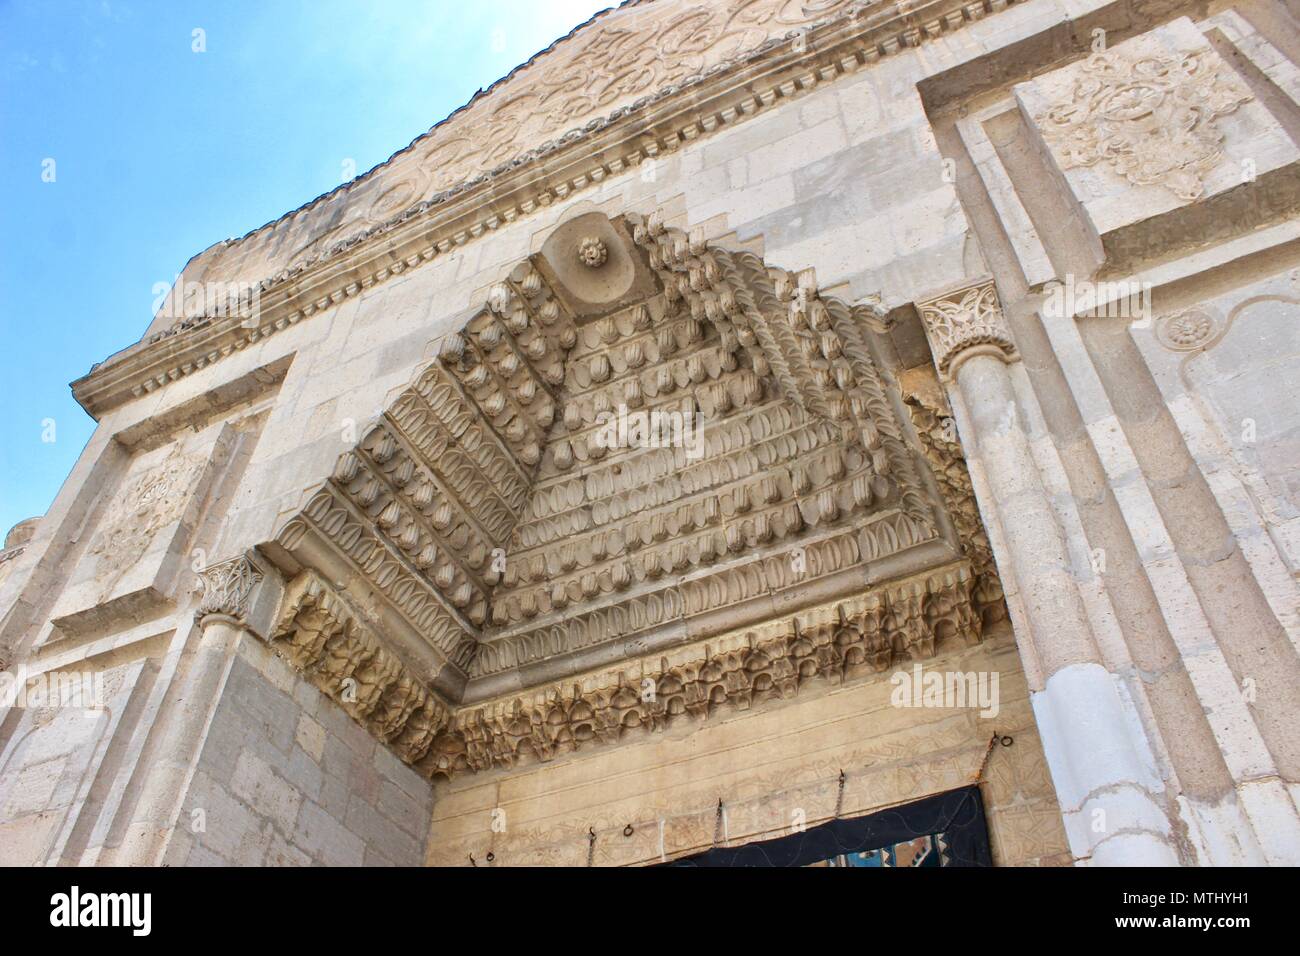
[(605, 460)]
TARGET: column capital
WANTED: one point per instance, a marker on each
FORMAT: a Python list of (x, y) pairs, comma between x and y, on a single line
[(236, 589), (964, 321)]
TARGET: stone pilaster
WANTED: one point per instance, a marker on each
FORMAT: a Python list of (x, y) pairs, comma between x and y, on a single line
[(239, 597), (1100, 758)]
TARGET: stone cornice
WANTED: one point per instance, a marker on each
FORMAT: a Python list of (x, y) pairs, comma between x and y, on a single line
[(831, 643), (652, 126), (340, 655), (329, 643)]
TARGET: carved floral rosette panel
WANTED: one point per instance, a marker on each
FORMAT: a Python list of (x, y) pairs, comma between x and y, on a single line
[(1148, 118), (554, 497)]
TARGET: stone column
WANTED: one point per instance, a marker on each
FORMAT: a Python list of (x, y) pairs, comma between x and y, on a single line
[(239, 597), (1101, 761)]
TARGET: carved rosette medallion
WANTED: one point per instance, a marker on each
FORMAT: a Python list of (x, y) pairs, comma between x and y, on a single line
[(592, 252), (228, 588), (1150, 119), (1187, 330), (965, 322)]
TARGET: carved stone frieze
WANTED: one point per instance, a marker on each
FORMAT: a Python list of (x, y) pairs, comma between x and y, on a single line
[(775, 660), (964, 322), (943, 452), (340, 260), (1148, 118), (615, 66), (325, 639)]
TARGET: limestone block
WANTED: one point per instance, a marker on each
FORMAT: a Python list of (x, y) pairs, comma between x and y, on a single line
[(327, 840), (269, 794), (311, 737)]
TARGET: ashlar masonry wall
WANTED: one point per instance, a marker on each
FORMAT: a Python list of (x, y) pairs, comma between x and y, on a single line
[(286, 778)]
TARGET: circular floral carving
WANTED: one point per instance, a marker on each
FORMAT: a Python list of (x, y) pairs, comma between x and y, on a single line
[(1187, 330), (592, 252)]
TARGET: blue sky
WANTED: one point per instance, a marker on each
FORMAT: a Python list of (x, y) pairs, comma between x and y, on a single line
[(159, 151)]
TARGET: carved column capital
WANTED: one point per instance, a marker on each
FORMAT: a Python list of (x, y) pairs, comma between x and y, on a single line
[(966, 321), (233, 589)]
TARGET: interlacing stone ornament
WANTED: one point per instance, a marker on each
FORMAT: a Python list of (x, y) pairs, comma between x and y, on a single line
[(1151, 119), (146, 503), (592, 252), (227, 588), (967, 321)]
